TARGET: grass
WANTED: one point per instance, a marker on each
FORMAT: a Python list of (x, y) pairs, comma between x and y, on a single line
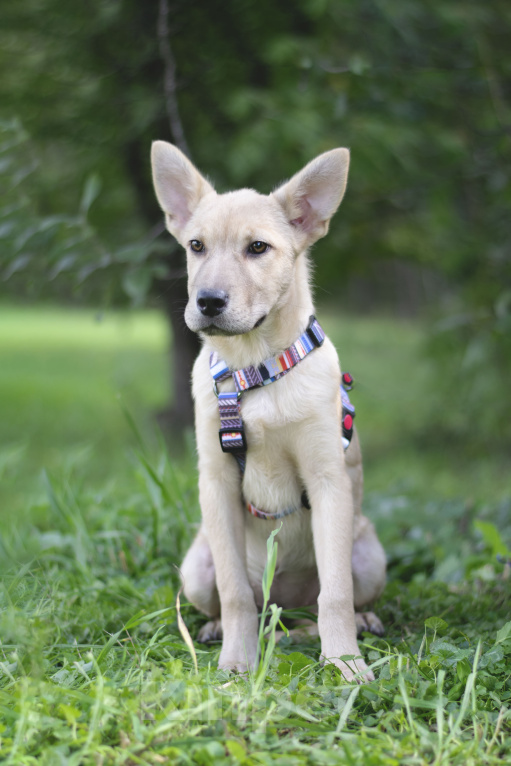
[(93, 666), (61, 376)]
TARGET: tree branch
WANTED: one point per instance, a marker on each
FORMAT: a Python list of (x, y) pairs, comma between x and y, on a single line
[(169, 81)]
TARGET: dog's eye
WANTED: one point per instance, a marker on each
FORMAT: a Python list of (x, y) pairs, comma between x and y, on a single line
[(258, 247), (196, 245)]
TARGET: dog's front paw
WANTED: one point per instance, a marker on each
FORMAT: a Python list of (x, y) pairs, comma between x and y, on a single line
[(232, 665), (353, 670), (235, 664), (237, 657)]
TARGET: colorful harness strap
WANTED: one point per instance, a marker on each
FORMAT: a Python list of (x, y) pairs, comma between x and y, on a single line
[(232, 432)]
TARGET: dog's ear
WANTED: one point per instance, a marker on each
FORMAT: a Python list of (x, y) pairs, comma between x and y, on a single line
[(311, 197), (178, 184)]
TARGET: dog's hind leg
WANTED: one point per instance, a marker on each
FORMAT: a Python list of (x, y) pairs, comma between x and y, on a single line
[(211, 631), (369, 567), (368, 557), (198, 572)]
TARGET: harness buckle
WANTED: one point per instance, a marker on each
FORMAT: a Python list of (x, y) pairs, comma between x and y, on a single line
[(217, 392), (232, 440)]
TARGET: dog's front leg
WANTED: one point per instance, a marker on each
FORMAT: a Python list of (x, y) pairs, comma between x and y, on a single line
[(219, 491), (328, 485)]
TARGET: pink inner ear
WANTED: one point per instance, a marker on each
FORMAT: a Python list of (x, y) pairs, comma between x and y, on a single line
[(178, 208), (307, 219)]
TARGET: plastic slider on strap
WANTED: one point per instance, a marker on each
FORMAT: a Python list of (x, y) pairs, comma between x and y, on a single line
[(347, 381), (314, 332), (232, 440)]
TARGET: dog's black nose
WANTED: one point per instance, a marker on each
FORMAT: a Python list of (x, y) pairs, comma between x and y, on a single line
[(211, 303)]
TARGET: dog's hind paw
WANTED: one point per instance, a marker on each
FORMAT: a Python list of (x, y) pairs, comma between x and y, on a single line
[(370, 623), (211, 631)]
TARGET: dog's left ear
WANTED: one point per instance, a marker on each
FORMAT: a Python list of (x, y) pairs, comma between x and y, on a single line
[(178, 185), (311, 197)]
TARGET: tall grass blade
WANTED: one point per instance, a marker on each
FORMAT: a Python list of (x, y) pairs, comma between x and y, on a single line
[(185, 632)]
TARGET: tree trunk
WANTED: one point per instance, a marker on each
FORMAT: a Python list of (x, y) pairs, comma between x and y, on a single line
[(185, 346), (171, 295)]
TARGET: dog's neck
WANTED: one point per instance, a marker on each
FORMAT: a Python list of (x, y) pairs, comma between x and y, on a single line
[(283, 325)]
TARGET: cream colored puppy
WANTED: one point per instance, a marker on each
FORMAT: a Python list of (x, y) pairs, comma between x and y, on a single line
[(250, 299)]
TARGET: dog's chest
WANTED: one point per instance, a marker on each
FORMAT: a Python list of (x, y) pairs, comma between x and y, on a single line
[(278, 419), (272, 430)]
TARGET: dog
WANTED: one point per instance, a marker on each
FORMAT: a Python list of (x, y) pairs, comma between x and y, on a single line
[(250, 300)]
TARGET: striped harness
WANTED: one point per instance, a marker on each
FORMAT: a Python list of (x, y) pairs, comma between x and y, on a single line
[(232, 432)]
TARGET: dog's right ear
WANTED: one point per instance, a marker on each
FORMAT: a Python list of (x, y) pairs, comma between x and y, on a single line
[(313, 195), (178, 185)]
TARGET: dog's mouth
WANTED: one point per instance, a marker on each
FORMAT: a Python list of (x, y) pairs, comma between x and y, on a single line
[(214, 329), (259, 322)]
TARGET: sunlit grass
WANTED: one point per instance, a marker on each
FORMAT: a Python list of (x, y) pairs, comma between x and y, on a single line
[(29, 327), (61, 375)]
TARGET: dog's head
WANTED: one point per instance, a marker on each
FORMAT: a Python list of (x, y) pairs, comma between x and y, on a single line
[(242, 246)]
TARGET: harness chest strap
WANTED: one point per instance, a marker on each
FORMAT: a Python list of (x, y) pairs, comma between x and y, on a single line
[(273, 368), (232, 432)]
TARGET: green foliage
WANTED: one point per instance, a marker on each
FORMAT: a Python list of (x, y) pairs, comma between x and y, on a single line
[(473, 362), (57, 254), (492, 538), (420, 100)]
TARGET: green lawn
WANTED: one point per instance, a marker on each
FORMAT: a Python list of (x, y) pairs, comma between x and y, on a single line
[(93, 668), (62, 375)]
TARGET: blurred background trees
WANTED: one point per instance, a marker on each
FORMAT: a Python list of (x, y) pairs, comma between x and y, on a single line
[(420, 92)]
